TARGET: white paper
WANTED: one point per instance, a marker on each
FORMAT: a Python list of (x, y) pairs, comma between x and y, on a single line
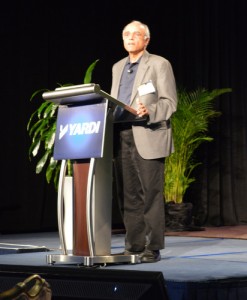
[(146, 88)]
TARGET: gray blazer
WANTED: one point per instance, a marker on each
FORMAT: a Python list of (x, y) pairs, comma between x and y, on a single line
[(153, 140)]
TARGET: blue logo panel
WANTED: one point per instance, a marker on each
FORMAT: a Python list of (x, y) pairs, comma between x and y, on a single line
[(80, 131)]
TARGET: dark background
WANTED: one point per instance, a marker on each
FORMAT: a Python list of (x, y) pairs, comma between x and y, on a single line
[(44, 43)]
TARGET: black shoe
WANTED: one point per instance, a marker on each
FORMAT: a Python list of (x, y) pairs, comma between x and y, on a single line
[(150, 256)]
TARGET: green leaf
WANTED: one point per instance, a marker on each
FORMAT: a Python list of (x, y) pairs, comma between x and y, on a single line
[(41, 128), (88, 75), (190, 125)]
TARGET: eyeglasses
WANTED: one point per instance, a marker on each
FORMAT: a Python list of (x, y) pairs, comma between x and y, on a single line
[(135, 34)]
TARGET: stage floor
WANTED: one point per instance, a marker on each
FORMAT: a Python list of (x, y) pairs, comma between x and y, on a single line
[(186, 261)]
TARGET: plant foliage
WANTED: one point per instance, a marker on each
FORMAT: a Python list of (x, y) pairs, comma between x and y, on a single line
[(42, 128), (190, 124)]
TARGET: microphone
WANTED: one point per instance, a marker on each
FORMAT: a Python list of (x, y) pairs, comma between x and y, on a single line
[(130, 71)]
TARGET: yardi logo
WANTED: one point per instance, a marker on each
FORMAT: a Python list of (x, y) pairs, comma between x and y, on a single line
[(79, 129)]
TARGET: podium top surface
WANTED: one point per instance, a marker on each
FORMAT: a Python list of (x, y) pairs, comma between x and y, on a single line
[(81, 93)]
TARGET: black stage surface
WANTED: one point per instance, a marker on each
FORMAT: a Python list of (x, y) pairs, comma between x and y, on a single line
[(191, 268)]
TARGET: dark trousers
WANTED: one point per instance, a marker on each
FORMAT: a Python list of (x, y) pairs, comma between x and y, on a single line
[(140, 185)]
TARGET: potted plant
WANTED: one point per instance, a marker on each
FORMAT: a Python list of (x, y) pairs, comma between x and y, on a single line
[(42, 128), (190, 125)]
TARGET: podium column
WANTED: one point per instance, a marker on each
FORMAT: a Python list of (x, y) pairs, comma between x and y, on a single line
[(80, 234), (93, 202)]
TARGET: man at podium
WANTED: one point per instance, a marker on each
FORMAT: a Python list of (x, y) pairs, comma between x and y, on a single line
[(146, 83)]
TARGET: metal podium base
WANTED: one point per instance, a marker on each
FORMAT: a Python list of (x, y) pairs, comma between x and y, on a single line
[(92, 260)]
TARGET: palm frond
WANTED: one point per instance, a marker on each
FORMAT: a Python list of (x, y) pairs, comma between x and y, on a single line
[(190, 125)]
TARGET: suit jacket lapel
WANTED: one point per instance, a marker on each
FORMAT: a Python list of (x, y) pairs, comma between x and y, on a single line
[(142, 69)]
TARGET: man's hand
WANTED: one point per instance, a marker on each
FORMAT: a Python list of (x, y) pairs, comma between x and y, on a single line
[(141, 110)]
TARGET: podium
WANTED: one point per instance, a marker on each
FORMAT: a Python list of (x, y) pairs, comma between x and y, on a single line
[(84, 135)]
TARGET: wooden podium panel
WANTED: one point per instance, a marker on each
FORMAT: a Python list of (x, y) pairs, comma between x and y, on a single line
[(80, 234)]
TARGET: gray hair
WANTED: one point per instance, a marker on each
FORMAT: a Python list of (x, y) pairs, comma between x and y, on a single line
[(147, 31)]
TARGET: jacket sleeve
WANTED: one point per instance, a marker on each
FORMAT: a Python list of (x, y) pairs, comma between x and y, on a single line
[(165, 85)]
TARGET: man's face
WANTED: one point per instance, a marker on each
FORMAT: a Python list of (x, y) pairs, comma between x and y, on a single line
[(134, 38)]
